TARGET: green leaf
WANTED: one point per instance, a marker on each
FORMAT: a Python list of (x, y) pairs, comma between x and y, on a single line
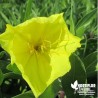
[(2, 54), (4, 17), (28, 9), (78, 73), (90, 63), (1, 77), (13, 15), (82, 25), (80, 31), (5, 5), (52, 90), (72, 28), (11, 75), (72, 25), (28, 94), (13, 67), (87, 18), (3, 64)]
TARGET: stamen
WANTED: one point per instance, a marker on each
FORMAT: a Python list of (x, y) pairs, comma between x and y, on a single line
[(31, 48)]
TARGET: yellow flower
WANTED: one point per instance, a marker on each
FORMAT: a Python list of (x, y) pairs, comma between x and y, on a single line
[(40, 47)]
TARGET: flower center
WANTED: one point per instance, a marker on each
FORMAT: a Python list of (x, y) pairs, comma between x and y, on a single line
[(37, 48), (33, 48)]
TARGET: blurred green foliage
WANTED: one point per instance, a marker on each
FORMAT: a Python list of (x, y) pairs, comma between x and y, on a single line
[(81, 18)]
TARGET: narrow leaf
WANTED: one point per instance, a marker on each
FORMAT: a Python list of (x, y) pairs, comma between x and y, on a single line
[(28, 9), (78, 73), (28, 94), (80, 31), (4, 17), (72, 25), (13, 67), (90, 63), (87, 18)]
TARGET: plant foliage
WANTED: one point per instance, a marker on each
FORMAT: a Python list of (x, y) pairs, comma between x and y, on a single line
[(81, 18)]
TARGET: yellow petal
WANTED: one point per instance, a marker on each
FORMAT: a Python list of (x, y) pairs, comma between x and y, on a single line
[(59, 62), (6, 38), (42, 29), (37, 73), (72, 44), (54, 31), (60, 56)]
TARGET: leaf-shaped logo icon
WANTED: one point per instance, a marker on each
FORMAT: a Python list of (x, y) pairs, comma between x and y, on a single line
[(75, 85)]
